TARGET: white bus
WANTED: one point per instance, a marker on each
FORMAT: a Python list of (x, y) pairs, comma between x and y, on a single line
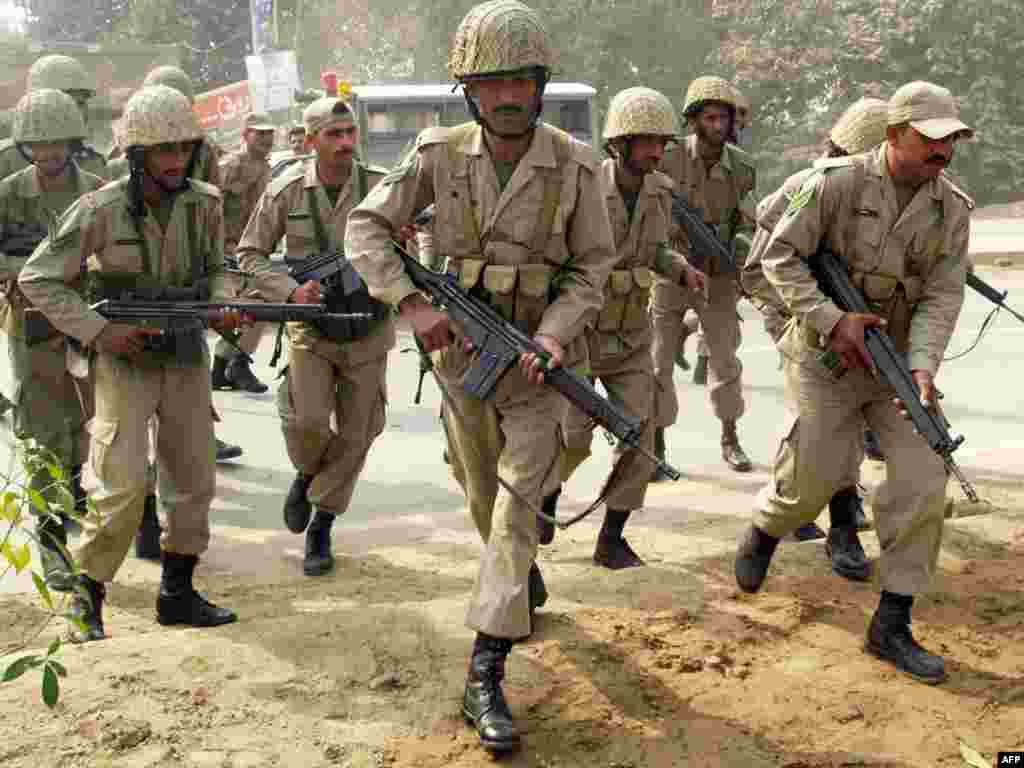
[(391, 116)]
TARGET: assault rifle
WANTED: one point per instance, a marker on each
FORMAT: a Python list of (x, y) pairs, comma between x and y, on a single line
[(498, 345), (330, 268), (930, 424), (703, 240), (183, 317), (992, 294)]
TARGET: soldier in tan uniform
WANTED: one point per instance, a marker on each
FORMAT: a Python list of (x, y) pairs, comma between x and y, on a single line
[(337, 369), (517, 202), (297, 139), (640, 123), (244, 176), (859, 129), (901, 228), (51, 405), (718, 178), (61, 73), (156, 228)]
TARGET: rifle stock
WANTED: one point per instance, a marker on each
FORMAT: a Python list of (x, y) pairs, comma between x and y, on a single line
[(930, 424)]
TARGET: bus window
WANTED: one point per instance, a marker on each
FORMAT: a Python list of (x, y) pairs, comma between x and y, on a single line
[(571, 116)]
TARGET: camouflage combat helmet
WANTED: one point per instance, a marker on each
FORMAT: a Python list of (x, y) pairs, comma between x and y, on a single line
[(61, 73), (501, 36), (708, 89), (158, 114), (640, 112), (861, 127), (47, 115), (172, 77)]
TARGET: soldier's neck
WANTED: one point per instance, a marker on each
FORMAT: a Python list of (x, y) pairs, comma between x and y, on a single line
[(507, 150), (333, 176), (711, 154), (626, 181)]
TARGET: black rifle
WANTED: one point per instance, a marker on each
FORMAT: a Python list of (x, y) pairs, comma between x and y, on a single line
[(498, 346), (992, 294), (21, 241), (930, 424), (703, 240), (183, 317)]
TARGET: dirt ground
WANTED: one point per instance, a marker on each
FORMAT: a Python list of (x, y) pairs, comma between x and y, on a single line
[(661, 666)]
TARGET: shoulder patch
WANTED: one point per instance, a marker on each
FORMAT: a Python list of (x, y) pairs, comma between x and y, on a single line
[(803, 196), (204, 188)]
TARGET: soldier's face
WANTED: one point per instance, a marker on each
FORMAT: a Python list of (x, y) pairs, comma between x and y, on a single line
[(914, 158), (297, 141), (645, 154), (49, 157), (713, 124), (506, 104), (335, 145), (259, 142), (166, 163)]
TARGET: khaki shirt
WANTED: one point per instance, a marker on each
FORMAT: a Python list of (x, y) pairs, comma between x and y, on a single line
[(641, 245), (88, 159), (98, 234), (243, 179), (921, 252), (718, 191), (475, 220), (283, 211)]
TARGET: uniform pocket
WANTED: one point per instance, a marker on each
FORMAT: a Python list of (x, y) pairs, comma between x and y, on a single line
[(617, 290), (500, 284), (532, 299), (636, 316)]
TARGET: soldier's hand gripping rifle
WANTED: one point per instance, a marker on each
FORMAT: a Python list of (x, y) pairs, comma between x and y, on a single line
[(182, 317), (498, 345), (704, 242), (930, 424)]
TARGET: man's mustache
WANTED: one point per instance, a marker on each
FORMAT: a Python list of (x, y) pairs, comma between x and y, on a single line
[(939, 160), (512, 109)]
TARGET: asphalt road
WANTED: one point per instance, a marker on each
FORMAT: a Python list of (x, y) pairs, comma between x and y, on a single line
[(406, 485)]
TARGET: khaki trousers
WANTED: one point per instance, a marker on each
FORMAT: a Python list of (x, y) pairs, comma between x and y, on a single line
[(52, 406), (346, 380), (628, 378), (721, 329), (824, 418), (115, 474), (514, 434)]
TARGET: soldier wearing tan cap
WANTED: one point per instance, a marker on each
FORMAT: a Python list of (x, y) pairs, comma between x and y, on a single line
[(155, 228), (718, 178), (337, 368), (244, 176), (901, 228)]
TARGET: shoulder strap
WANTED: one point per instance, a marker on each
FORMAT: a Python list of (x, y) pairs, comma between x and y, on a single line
[(322, 241), (859, 179)]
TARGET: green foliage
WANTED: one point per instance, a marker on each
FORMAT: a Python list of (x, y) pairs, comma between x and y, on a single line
[(22, 506)]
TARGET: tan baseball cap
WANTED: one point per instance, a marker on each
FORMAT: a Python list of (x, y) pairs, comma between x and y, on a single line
[(930, 109), (259, 121), (325, 112)]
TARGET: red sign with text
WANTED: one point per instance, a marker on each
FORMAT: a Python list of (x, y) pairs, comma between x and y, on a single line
[(224, 107)]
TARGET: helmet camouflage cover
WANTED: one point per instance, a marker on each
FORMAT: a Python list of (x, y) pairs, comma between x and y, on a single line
[(47, 115), (640, 112), (708, 89), (62, 73), (861, 127), (498, 37), (158, 114), (172, 77)]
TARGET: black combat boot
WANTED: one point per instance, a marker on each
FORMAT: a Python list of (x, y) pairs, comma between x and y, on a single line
[(732, 453), (613, 551), (179, 603), (227, 451), (700, 371), (753, 558), (53, 539), (241, 376), (889, 639), (218, 374), (147, 538), (318, 559), (297, 509), (537, 590), (872, 448), (659, 475), (483, 703), (87, 608), (843, 546), (546, 530)]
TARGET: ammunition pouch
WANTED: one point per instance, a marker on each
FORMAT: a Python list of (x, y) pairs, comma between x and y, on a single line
[(183, 341), (520, 293), (626, 297)]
